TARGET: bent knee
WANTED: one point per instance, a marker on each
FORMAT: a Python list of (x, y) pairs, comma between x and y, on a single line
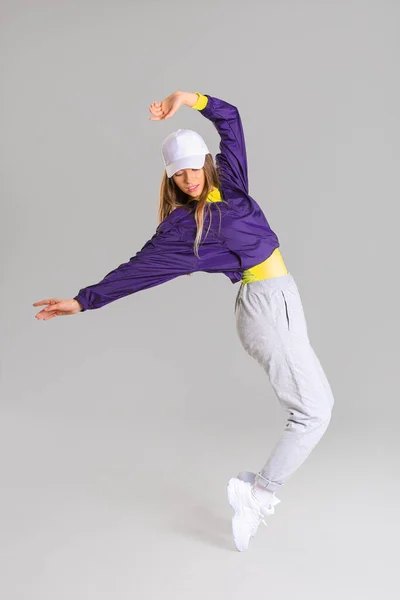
[(322, 419), (312, 421)]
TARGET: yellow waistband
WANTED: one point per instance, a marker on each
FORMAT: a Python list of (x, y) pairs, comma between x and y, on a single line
[(273, 266)]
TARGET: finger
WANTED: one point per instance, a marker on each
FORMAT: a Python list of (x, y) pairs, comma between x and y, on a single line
[(42, 316), (50, 317), (156, 115), (52, 307), (41, 302)]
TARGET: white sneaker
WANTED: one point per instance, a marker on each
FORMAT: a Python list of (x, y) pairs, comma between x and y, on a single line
[(249, 513)]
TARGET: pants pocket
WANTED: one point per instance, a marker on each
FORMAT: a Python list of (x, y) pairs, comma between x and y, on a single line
[(286, 309), (296, 320)]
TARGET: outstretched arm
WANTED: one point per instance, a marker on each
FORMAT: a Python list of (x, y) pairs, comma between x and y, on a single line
[(160, 260)]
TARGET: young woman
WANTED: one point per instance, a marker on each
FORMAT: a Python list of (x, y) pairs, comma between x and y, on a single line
[(209, 222)]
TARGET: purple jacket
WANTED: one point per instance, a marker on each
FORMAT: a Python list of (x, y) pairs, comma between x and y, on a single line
[(242, 239)]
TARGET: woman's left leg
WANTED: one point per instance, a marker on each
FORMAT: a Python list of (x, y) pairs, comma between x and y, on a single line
[(273, 330)]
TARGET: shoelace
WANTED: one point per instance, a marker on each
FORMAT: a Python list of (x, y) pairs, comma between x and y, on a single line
[(268, 509), (262, 515), (262, 520)]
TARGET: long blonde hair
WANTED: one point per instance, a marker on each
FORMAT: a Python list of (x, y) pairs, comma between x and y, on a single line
[(172, 197)]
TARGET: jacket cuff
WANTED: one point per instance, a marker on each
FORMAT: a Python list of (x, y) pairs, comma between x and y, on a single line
[(201, 102), (81, 300)]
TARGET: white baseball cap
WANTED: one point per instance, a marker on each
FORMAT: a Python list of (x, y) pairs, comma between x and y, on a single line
[(183, 149)]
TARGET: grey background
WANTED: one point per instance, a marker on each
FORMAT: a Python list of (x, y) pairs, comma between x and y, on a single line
[(120, 427)]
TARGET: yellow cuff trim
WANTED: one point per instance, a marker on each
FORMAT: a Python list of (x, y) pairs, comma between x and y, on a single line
[(201, 102)]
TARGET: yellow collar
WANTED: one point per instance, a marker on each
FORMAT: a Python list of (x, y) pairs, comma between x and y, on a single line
[(214, 196)]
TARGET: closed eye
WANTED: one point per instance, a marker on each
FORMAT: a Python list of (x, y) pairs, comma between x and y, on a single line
[(179, 174)]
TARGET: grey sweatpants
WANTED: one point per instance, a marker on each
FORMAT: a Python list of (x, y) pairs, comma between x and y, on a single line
[(272, 328)]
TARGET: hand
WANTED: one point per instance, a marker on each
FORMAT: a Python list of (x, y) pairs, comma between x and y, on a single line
[(57, 308), (167, 108)]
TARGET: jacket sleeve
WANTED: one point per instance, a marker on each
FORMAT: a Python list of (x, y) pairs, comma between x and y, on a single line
[(161, 259), (232, 159)]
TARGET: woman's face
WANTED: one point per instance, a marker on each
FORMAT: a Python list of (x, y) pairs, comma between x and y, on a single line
[(190, 181)]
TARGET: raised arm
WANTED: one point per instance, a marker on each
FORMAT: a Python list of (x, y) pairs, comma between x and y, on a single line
[(160, 260), (232, 159)]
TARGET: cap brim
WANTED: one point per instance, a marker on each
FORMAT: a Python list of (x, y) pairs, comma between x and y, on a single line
[(188, 162)]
